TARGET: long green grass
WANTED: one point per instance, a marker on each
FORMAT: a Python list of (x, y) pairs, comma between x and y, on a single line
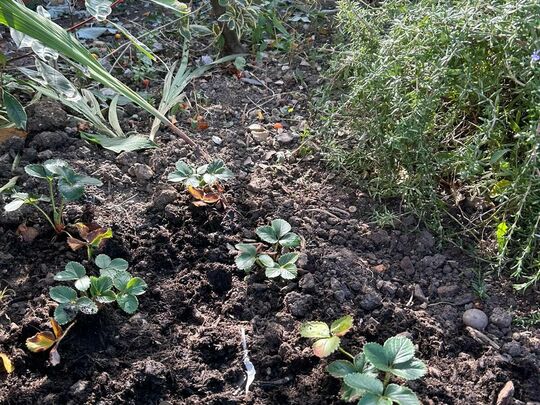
[(442, 108)]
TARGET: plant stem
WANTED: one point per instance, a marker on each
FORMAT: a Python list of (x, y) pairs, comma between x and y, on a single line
[(46, 216), (53, 203), (345, 352), (386, 379)]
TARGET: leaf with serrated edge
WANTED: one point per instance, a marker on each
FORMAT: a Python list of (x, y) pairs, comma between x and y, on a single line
[(272, 272), (129, 303), (340, 368), (376, 355), (401, 395), (364, 382), (341, 326), (290, 240), (267, 234), (314, 329), (280, 227), (325, 347), (63, 294), (410, 370), (398, 349), (103, 261)]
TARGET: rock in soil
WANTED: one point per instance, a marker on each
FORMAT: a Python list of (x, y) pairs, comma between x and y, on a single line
[(475, 318)]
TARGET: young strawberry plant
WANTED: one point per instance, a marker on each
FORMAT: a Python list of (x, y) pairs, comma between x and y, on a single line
[(90, 293), (273, 255), (361, 374), (204, 182), (70, 186)]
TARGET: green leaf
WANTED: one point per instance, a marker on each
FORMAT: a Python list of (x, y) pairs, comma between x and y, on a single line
[(106, 297), (267, 234), (401, 395), (174, 5), (290, 240), (409, 370), (71, 192), (280, 227), (289, 271), (100, 285), (9, 185), (272, 272), (288, 258), (376, 355), (55, 167), (362, 365), (121, 280), (83, 283), (129, 303), (14, 205), (325, 347), (136, 286), (216, 171), (65, 313), (15, 110), (314, 329), (502, 230), (36, 170), (184, 173), (103, 261), (364, 382), (73, 271), (398, 349), (266, 261), (247, 257), (118, 145), (87, 306), (374, 399), (340, 368), (341, 326), (63, 294)]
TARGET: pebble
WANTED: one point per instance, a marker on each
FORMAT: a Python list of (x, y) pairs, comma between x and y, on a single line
[(371, 301), (506, 394), (285, 137), (164, 197), (141, 171), (475, 318), (501, 318), (78, 388)]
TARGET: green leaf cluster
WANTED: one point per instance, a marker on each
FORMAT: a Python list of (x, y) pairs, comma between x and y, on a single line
[(360, 373), (113, 284), (277, 262), (202, 176)]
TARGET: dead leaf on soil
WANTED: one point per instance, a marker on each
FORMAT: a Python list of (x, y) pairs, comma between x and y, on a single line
[(8, 365), (8, 133), (27, 233), (203, 197)]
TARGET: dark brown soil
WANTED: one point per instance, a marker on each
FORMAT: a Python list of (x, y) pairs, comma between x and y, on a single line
[(183, 346)]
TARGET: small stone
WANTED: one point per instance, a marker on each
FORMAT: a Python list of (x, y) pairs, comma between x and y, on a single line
[(447, 290), (506, 394), (513, 348), (407, 266), (78, 388), (285, 137), (371, 301), (419, 294), (259, 133), (154, 368), (380, 268), (248, 161), (126, 158), (307, 283), (501, 318), (475, 318), (299, 304), (217, 140), (141, 171), (352, 209), (164, 197)]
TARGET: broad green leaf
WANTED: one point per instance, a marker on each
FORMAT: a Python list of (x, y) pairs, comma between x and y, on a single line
[(55, 167), (401, 395), (136, 286), (103, 261), (267, 234), (364, 382), (73, 271), (63, 294), (65, 313), (325, 347), (340, 368), (409, 370), (281, 227), (502, 230), (216, 171), (362, 365), (314, 329), (40, 342), (36, 170), (376, 355), (119, 144), (185, 174), (87, 306), (290, 240), (374, 399), (14, 205), (100, 285), (398, 349), (129, 303), (272, 272), (341, 326), (70, 192), (288, 258), (266, 261), (83, 283), (174, 5), (245, 261), (121, 280), (9, 185), (289, 271), (349, 394), (106, 297), (15, 110)]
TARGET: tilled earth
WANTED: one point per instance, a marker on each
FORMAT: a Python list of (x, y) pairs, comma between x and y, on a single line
[(183, 345)]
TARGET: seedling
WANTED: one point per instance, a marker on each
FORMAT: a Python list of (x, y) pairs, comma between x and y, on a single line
[(360, 374), (93, 237), (70, 187), (277, 261), (202, 182), (43, 341), (113, 284)]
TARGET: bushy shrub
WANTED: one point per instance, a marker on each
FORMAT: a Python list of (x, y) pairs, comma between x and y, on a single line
[(442, 108)]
